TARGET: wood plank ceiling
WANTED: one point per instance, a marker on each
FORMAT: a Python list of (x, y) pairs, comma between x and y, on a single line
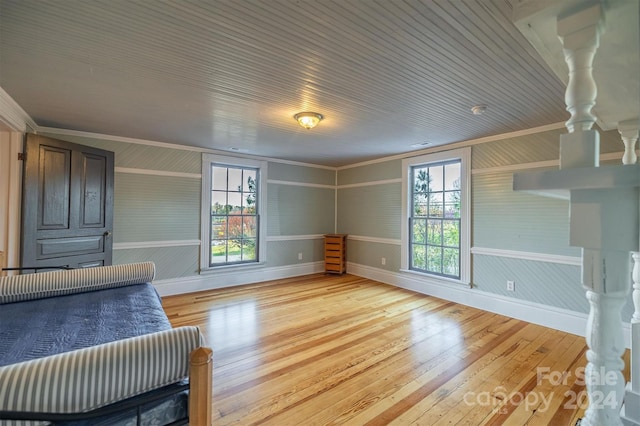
[(231, 74)]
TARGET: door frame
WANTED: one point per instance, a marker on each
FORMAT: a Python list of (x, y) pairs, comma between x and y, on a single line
[(11, 196)]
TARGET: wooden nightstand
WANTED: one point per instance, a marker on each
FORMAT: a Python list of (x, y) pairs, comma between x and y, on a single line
[(335, 253)]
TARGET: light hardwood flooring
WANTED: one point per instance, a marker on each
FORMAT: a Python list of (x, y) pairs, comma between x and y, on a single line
[(321, 349)]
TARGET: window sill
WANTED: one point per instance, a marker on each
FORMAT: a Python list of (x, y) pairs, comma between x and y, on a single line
[(231, 268), (436, 278)]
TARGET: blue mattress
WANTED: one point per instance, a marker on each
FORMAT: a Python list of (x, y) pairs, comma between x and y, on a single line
[(43, 327)]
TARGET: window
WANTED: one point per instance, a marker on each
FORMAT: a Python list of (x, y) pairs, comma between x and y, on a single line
[(434, 222), (232, 194), (436, 238)]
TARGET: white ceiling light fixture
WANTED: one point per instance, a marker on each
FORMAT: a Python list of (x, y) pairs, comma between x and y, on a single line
[(308, 120), (478, 109)]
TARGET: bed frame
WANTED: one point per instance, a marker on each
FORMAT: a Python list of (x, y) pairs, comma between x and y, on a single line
[(19, 381)]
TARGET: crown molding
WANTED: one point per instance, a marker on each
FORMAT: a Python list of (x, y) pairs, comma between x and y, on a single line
[(125, 139), (461, 144), (13, 116)]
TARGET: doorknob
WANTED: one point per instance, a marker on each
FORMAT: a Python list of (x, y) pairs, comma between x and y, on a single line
[(107, 233)]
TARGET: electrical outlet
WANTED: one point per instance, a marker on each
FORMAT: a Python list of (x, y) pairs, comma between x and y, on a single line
[(383, 261), (511, 286), (299, 256)]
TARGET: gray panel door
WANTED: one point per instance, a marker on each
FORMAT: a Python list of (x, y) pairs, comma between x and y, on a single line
[(67, 204)]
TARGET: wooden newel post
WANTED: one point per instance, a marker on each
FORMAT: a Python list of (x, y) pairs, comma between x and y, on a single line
[(200, 387)]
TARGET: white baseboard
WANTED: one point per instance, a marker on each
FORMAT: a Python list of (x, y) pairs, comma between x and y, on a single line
[(536, 313), (215, 280)]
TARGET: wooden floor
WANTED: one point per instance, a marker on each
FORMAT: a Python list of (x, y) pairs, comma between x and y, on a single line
[(319, 349)]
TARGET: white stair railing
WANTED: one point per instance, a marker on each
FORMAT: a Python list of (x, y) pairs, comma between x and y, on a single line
[(631, 410), (629, 134), (635, 327)]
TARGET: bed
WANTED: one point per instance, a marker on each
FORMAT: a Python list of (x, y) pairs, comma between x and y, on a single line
[(94, 347)]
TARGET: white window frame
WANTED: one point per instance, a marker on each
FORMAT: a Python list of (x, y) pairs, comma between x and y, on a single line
[(464, 155), (205, 211)]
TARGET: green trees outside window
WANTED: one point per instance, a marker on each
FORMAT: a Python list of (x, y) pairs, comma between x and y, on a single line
[(434, 223), (234, 215)]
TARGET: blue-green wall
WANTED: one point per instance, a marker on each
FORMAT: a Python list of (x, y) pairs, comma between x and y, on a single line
[(364, 201), (157, 207), (512, 223)]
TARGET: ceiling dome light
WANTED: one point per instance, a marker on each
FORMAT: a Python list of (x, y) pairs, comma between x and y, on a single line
[(421, 144), (478, 109), (308, 120)]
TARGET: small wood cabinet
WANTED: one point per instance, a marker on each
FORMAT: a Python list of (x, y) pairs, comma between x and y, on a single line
[(335, 253)]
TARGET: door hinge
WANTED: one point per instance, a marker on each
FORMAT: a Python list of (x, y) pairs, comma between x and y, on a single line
[(22, 156)]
